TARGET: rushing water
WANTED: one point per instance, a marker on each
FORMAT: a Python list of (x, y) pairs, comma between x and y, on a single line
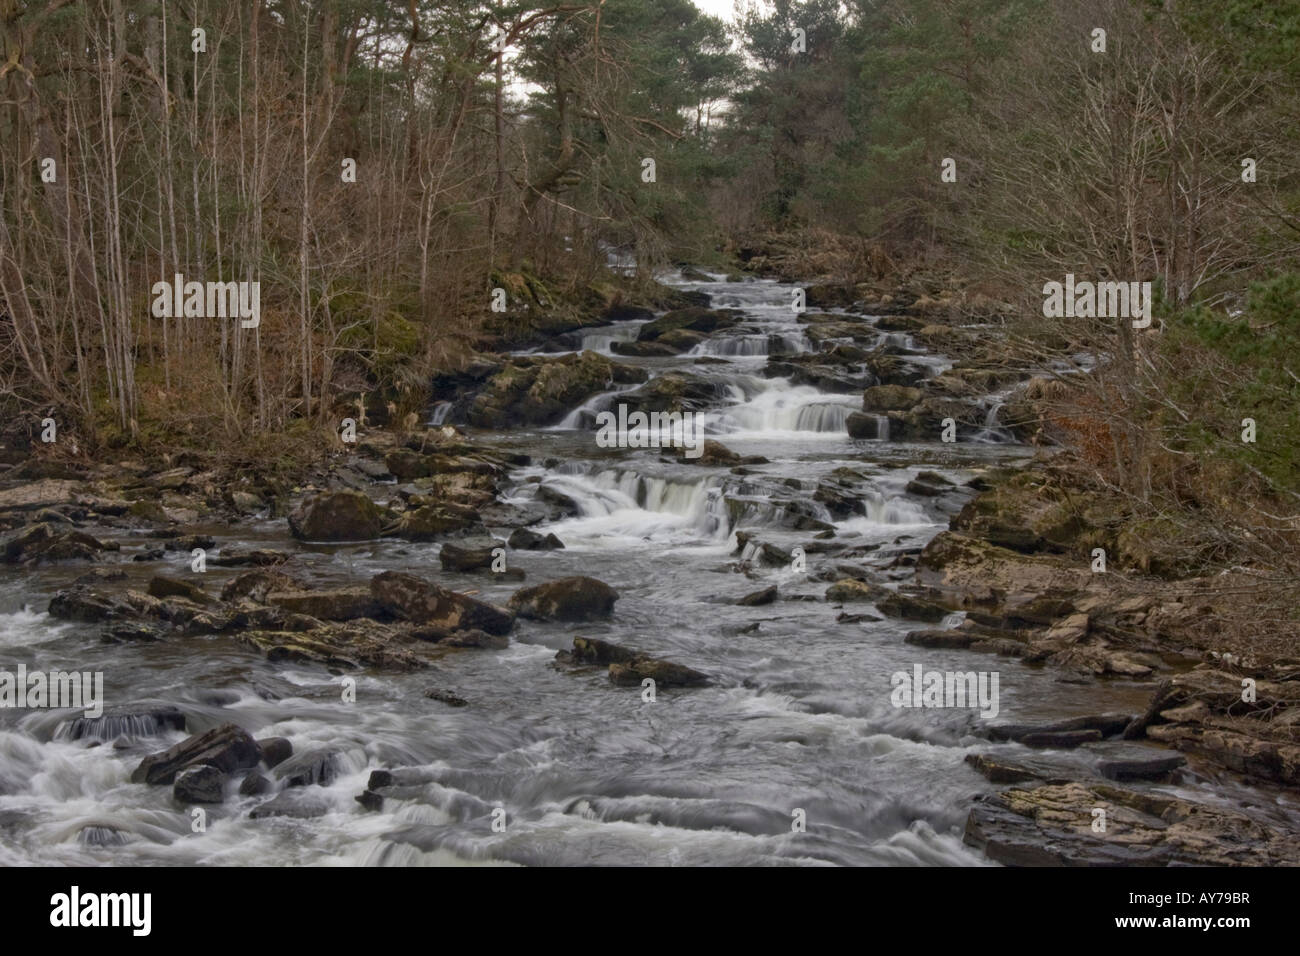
[(799, 717)]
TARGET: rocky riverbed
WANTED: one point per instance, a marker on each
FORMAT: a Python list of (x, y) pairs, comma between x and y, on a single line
[(491, 640)]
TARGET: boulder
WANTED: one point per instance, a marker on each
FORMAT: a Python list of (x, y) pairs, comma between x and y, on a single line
[(42, 542), (890, 398), (227, 748), (470, 555), (663, 673), (163, 586), (202, 784), (336, 516), (765, 596), (256, 585), (521, 539), (334, 604), (275, 750), (414, 599), (255, 784), (256, 557), (565, 599), (309, 768), (431, 521)]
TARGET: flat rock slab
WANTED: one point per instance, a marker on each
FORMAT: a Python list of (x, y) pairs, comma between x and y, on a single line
[(1052, 825), (1107, 725), (39, 494)]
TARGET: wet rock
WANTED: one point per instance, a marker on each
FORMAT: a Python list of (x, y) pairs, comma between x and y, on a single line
[(163, 586), (866, 427), (1000, 770), (131, 632), (44, 543), (310, 768), (1154, 768), (1063, 739), (767, 554), (521, 539), (405, 464), (335, 604), (889, 398), (953, 639), (189, 542), (204, 784), (643, 349), (591, 650), (476, 638), (228, 748), (350, 644), (470, 555), (432, 521), (628, 667), (336, 516), (240, 557), (851, 590), (695, 319), (274, 751), (565, 599), (416, 600), (1238, 748), (532, 390), (928, 487), (663, 673), (765, 596), (256, 585), (1051, 825), (150, 554), (101, 576), (255, 784), (911, 608), (370, 801), (1107, 725)]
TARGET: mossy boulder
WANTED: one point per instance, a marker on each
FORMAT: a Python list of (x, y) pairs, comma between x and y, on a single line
[(337, 516), (695, 319), (540, 391)]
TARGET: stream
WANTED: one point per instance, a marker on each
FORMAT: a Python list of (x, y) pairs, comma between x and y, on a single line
[(799, 716)]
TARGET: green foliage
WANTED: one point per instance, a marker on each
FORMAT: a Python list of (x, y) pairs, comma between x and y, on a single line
[(1261, 349)]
